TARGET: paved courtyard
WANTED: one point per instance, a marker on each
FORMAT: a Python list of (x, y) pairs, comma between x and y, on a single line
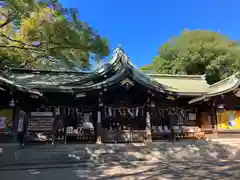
[(162, 160)]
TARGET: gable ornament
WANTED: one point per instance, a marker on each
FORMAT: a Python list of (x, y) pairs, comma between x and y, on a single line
[(127, 83), (237, 92)]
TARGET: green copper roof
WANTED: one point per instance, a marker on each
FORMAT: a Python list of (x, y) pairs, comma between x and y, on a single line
[(188, 84), (8, 84), (40, 79), (118, 68), (224, 86)]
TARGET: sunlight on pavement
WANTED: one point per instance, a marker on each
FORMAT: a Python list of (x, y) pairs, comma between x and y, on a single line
[(33, 172)]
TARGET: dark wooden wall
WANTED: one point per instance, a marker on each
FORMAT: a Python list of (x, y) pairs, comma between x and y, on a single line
[(229, 100)]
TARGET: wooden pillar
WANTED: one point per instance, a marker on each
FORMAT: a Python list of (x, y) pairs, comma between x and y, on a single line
[(99, 122), (99, 127), (54, 126), (214, 117), (148, 127), (25, 125), (15, 119), (57, 117), (150, 105), (65, 134)]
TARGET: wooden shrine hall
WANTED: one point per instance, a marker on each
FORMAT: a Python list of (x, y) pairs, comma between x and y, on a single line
[(115, 103)]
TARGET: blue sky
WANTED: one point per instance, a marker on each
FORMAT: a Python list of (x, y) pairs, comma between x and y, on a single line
[(141, 26)]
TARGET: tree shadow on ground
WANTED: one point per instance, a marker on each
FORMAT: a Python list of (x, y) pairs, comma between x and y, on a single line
[(159, 160), (182, 160)]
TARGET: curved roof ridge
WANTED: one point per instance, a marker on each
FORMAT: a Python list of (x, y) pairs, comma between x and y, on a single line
[(116, 52), (226, 80), (26, 70), (224, 86)]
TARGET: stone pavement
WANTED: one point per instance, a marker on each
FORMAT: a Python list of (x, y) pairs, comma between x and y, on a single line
[(160, 160), (46, 154), (78, 153), (181, 170)]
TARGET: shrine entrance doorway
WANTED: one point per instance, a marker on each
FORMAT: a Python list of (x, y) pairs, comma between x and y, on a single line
[(77, 125), (124, 115), (124, 124)]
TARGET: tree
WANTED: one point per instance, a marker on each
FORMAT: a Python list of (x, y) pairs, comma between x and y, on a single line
[(198, 52), (41, 33)]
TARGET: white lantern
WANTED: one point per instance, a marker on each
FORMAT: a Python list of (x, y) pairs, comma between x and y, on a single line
[(12, 103)]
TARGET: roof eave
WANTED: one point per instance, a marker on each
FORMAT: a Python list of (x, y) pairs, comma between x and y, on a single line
[(204, 96), (190, 94), (17, 87)]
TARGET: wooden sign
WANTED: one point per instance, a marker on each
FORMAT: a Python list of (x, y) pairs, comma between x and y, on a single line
[(42, 114), (192, 117)]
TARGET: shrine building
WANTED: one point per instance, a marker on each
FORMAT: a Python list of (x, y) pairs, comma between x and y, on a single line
[(114, 103)]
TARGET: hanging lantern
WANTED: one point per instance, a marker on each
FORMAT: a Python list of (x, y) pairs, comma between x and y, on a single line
[(220, 108), (12, 103), (152, 104)]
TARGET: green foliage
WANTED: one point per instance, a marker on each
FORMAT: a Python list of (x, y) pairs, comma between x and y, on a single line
[(198, 52), (39, 33)]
